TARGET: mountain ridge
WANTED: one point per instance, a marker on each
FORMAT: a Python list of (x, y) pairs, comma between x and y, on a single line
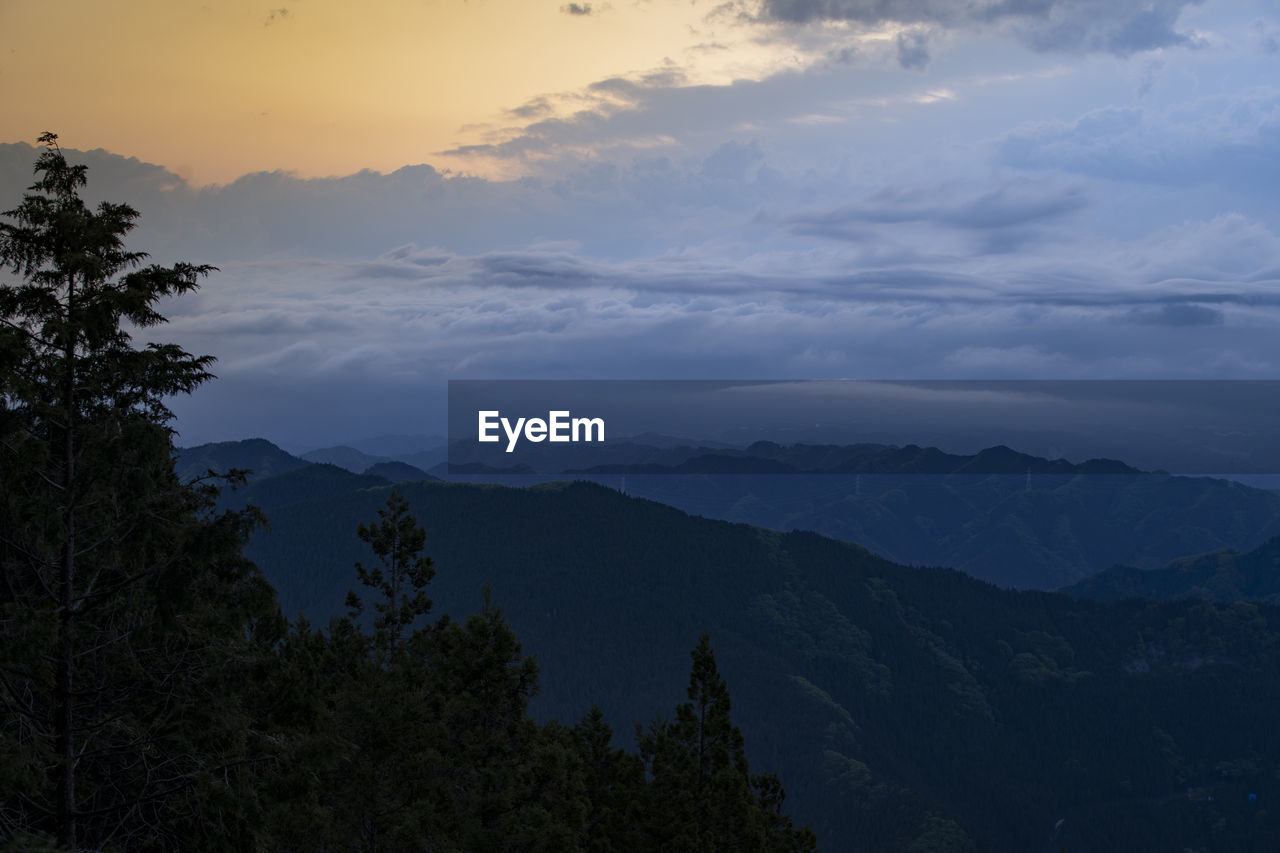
[(881, 693), (1034, 531), (1223, 576)]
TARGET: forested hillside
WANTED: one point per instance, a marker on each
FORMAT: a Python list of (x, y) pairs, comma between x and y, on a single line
[(895, 702), (1040, 531), (1222, 576)]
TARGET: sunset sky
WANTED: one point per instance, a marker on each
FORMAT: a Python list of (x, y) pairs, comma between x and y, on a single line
[(399, 193)]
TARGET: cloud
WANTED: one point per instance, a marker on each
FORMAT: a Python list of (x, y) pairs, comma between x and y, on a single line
[(1013, 204), (378, 287), (532, 109), (1267, 37), (1000, 220), (573, 120), (1229, 139), (1156, 273), (732, 161), (645, 206), (1120, 27), (989, 360), (662, 108), (1228, 246), (913, 50), (395, 327), (826, 218), (1176, 314)]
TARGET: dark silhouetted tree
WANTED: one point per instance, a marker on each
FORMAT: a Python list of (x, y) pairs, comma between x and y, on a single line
[(126, 608), (701, 796), (364, 743), (615, 787), (397, 540)]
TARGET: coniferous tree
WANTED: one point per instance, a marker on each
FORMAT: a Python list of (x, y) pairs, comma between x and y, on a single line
[(480, 684), (700, 796), (127, 610), (781, 834), (615, 788), (420, 741), (366, 742), (397, 540)]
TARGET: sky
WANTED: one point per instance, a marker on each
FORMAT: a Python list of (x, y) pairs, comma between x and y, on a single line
[(401, 193)]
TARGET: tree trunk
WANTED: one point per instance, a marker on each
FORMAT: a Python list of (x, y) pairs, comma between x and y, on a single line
[(65, 699)]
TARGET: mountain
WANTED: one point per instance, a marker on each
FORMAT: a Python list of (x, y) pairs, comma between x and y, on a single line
[(658, 439), (395, 446), (304, 485), (1029, 531), (258, 455), (667, 455), (1038, 531), (1000, 515), (279, 478), (420, 451), (397, 472), (1226, 575), (344, 457), (906, 708), (766, 457)]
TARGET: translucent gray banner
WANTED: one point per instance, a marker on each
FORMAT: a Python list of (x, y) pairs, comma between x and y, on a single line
[(1008, 427)]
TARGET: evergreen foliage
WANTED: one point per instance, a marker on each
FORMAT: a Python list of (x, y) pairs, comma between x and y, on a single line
[(397, 541), (701, 791), (1223, 576), (128, 616), (428, 744)]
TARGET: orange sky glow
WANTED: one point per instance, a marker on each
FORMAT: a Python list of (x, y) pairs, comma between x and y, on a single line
[(322, 87)]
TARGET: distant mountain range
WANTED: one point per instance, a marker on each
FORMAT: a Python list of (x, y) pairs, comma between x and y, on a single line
[(766, 457), (1049, 528), (344, 457), (264, 460), (357, 461), (256, 455), (667, 456)]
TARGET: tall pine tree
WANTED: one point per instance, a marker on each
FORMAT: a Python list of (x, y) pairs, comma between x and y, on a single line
[(702, 797), (126, 608), (397, 541)]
